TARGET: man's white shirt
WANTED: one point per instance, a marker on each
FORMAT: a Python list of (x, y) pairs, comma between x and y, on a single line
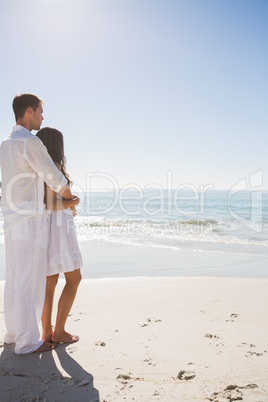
[(25, 165)]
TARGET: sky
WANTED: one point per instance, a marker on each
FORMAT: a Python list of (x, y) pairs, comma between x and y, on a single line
[(163, 93)]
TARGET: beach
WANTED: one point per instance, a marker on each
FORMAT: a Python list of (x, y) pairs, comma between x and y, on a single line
[(153, 334), (136, 130)]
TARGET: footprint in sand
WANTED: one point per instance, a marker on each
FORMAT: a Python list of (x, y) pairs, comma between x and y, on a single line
[(124, 377), (232, 318), (149, 362), (244, 344), (214, 338), (186, 375), (150, 320), (251, 353), (72, 349), (230, 393), (210, 336), (100, 343), (83, 313)]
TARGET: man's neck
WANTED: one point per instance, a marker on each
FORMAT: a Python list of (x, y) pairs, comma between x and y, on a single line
[(24, 124)]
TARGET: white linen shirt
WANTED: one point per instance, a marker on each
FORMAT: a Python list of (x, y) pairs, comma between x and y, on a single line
[(25, 165)]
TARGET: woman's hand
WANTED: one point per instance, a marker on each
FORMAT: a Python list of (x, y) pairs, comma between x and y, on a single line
[(74, 211), (76, 202)]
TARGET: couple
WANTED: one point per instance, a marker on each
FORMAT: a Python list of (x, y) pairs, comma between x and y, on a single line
[(40, 239)]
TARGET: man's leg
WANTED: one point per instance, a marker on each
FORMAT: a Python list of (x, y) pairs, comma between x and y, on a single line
[(29, 241), (9, 293)]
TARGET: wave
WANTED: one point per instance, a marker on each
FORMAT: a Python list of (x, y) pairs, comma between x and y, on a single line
[(199, 222), (192, 233), (101, 221)]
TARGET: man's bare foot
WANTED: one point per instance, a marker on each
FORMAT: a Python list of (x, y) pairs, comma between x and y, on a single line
[(45, 347), (64, 337)]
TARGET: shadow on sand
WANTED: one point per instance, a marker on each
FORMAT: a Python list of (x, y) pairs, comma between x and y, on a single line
[(51, 376)]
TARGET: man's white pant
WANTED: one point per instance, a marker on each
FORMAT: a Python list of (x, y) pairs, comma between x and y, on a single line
[(26, 264)]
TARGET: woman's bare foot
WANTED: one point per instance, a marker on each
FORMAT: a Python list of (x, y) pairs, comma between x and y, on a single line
[(64, 337), (45, 347), (47, 337)]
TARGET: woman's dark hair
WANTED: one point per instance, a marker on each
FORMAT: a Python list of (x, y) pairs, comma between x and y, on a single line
[(53, 141), (22, 102)]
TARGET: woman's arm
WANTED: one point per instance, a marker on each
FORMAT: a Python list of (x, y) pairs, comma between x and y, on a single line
[(55, 204), (52, 203)]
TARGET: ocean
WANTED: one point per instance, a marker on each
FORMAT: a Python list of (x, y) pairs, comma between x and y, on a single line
[(219, 221), (132, 232)]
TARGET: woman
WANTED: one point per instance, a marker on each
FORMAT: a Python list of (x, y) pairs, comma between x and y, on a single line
[(64, 254)]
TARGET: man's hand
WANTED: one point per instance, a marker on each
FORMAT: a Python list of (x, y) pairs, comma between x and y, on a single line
[(76, 200)]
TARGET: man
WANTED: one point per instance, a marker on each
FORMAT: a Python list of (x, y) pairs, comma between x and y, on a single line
[(25, 166)]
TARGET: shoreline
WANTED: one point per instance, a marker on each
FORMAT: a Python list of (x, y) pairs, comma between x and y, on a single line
[(115, 260)]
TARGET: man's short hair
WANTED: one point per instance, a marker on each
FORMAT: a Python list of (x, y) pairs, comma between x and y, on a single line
[(22, 102)]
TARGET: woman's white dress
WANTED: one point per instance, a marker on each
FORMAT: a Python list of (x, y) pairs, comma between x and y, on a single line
[(63, 251)]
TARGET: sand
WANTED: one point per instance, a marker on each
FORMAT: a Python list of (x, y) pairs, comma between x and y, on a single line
[(115, 260), (151, 339)]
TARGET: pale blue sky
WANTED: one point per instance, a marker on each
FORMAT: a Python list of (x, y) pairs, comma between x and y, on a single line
[(142, 87)]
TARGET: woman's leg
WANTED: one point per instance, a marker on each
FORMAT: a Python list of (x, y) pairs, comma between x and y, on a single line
[(51, 283), (65, 303)]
